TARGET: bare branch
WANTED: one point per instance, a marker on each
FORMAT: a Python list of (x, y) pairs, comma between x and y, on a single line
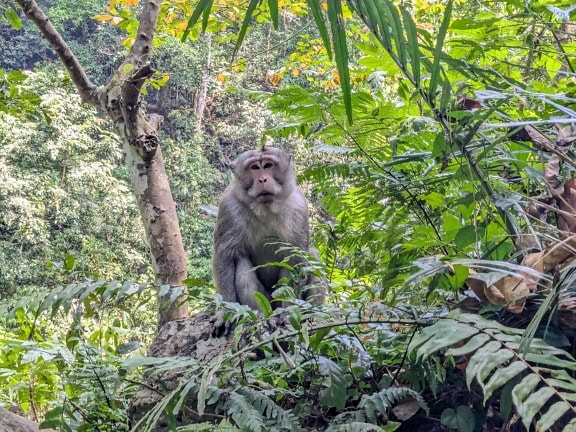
[(85, 87)]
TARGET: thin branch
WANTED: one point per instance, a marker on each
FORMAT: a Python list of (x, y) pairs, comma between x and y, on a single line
[(85, 87)]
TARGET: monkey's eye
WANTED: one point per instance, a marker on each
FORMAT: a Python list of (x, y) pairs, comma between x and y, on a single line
[(254, 167), (267, 165)]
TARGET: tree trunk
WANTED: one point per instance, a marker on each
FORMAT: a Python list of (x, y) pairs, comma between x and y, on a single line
[(120, 98), (201, 105)]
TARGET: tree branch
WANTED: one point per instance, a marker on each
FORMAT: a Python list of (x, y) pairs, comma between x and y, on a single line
[(88, 91)]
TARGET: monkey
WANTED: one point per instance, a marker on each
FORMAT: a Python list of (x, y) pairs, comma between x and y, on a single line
[(261, 207)]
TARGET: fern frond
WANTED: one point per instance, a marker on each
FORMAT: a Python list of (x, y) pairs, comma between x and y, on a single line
[(359, 427), (244, 414), (379, 403), (282, 418), (545, 390), (224, 426)]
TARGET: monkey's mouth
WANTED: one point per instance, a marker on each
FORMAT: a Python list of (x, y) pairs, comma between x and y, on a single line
[(265, 197)]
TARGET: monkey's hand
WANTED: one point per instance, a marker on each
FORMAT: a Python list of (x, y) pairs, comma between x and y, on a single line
[(278, 321), (222, 326)]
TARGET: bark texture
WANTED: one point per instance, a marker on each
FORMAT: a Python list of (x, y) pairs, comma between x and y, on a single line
[(121, 98)]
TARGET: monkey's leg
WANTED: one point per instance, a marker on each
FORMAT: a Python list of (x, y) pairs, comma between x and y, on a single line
[(247, 283)]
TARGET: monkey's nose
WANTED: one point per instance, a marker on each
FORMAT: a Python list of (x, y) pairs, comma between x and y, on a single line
[(263, 180)]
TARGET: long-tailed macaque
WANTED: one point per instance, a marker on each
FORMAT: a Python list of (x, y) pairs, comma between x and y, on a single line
[(261, 207)]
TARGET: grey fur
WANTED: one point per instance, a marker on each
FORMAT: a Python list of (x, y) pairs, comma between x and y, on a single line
[(247, 225)]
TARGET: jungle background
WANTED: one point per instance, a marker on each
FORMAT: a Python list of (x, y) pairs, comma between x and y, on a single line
[(434, 142)]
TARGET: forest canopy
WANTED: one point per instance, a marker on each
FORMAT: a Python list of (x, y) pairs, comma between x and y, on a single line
[(433, 141)]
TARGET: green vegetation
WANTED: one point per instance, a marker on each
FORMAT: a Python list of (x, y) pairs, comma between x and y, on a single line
[(434, 141)]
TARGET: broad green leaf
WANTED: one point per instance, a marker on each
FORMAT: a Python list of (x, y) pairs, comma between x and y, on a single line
[(263, 304), (314, 6), (336, 393), (462, 419), (249, 11), (436, 69), (53, 418), (340, 53), (69, 262), (13, 18), (465, 236)]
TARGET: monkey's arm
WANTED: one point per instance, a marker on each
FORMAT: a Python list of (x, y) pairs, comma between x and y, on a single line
[(225, 251), (247, 283)]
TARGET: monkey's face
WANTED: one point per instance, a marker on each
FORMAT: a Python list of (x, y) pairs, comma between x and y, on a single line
[(264, 175)]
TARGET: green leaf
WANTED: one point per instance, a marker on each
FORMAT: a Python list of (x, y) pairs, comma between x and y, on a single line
[(476, 361), (13, 18), (69, 262), (341, 53), (263, 304), (273, 6), (472, 345), (203, 6), (436, 69), (336, 394), (249, 11), (462, 419), (314, 6), (550, 417), (206, 15), (413, 47), (388, 9), (502, 376), (465, 236), (533, 404), (53, 418)]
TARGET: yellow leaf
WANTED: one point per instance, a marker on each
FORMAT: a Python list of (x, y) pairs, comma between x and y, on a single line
[(103, 17), (129, 3), (220, 77), (116, 20), (295, 72)]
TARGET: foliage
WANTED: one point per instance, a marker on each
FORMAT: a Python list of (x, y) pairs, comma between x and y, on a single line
[(312, 374), (425, 193), (538, 379), (60, 354), (64, 193)]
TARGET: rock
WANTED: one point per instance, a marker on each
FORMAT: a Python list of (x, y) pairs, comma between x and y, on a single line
[(190, 337), (10, 422)]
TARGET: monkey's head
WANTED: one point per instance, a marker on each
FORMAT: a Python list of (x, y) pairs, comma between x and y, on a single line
[(264, 175)]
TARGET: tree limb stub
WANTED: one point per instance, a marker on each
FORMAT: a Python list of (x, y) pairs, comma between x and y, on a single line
[(120, 98)]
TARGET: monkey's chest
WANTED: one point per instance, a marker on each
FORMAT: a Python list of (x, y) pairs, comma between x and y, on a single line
[(267, 250)]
